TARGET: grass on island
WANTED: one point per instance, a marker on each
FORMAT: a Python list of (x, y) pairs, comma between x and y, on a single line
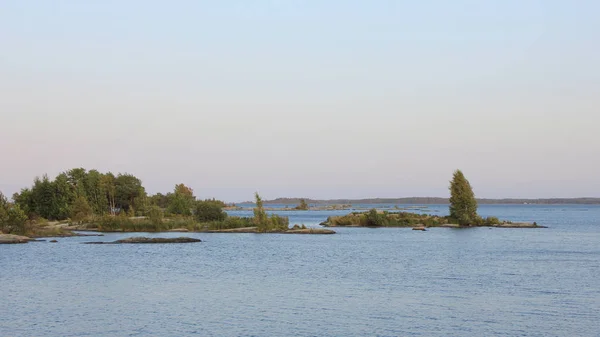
[(374, 218)]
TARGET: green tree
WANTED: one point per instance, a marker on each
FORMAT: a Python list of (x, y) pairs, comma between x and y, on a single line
[(43, 198), (80, 210), (76, 178), (182, 201), (25, 201), (64, 196), (3, 212), (95, 192), (160, 199), (127, 189), (12, 218), (261, 221), (107, 184), (209, 211), (303, 206), (463, 206)]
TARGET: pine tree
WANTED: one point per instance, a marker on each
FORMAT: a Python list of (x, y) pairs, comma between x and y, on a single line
[(463, 206)]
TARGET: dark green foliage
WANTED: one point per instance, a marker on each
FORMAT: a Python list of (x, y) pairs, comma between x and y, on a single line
[(463, 206), (160, 200), (127, 189), (218, 202), (52, 199), (12, 218), (44, 198), (25, 201), (95, 192), (182, 201), (375, 219), (209, 211)]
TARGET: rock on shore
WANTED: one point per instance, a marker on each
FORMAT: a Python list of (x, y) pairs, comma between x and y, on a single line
[(11, 238), (149, 240)]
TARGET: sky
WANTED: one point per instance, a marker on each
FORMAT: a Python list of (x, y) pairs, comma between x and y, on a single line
[(319, 99)]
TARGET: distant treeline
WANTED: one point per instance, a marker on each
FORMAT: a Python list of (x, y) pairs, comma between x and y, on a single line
[(434, 201)]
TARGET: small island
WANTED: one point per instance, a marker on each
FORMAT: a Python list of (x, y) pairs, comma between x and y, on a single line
[(378, 218), (145, 240), (463, 213)]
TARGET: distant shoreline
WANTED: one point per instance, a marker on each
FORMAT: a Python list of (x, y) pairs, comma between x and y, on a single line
[(434, 201)]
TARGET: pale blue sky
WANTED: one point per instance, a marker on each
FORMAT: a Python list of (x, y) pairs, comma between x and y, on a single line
[(321, 99)]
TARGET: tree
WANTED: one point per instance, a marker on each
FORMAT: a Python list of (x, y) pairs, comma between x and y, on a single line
[(43, 196), (3, 212), (182, 201), (25, 201), (80, 210), (107, 184), (127, 189), (463, 206), (260, 216), (12, 218), (65, 195), (94, 190), (209, 211), (303, 206), (161, 200)]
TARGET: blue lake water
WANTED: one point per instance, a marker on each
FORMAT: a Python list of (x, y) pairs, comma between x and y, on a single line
[(359, 282)]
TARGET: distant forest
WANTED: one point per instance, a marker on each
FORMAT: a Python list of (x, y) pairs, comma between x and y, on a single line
[(433, 201)]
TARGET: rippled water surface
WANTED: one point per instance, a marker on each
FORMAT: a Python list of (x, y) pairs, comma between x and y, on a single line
[(359, 282)]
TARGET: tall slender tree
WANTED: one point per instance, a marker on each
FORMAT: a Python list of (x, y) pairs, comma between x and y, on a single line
[(463, 206)]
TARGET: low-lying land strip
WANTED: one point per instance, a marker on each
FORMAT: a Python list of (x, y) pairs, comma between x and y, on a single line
[(375, 218)]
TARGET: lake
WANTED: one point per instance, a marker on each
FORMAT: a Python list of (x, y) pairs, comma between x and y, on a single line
[(359, 282)]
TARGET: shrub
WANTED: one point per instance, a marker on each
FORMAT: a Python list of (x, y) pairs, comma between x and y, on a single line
[(209, 211), (155, 215), (374, 219)]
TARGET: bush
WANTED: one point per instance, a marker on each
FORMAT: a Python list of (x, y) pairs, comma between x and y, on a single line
[(230, 223), (492, 220), (155, 215), (209, 211), (374, 219)]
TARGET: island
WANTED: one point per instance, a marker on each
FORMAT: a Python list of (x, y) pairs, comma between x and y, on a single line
[(89, 201), (379, 218)]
